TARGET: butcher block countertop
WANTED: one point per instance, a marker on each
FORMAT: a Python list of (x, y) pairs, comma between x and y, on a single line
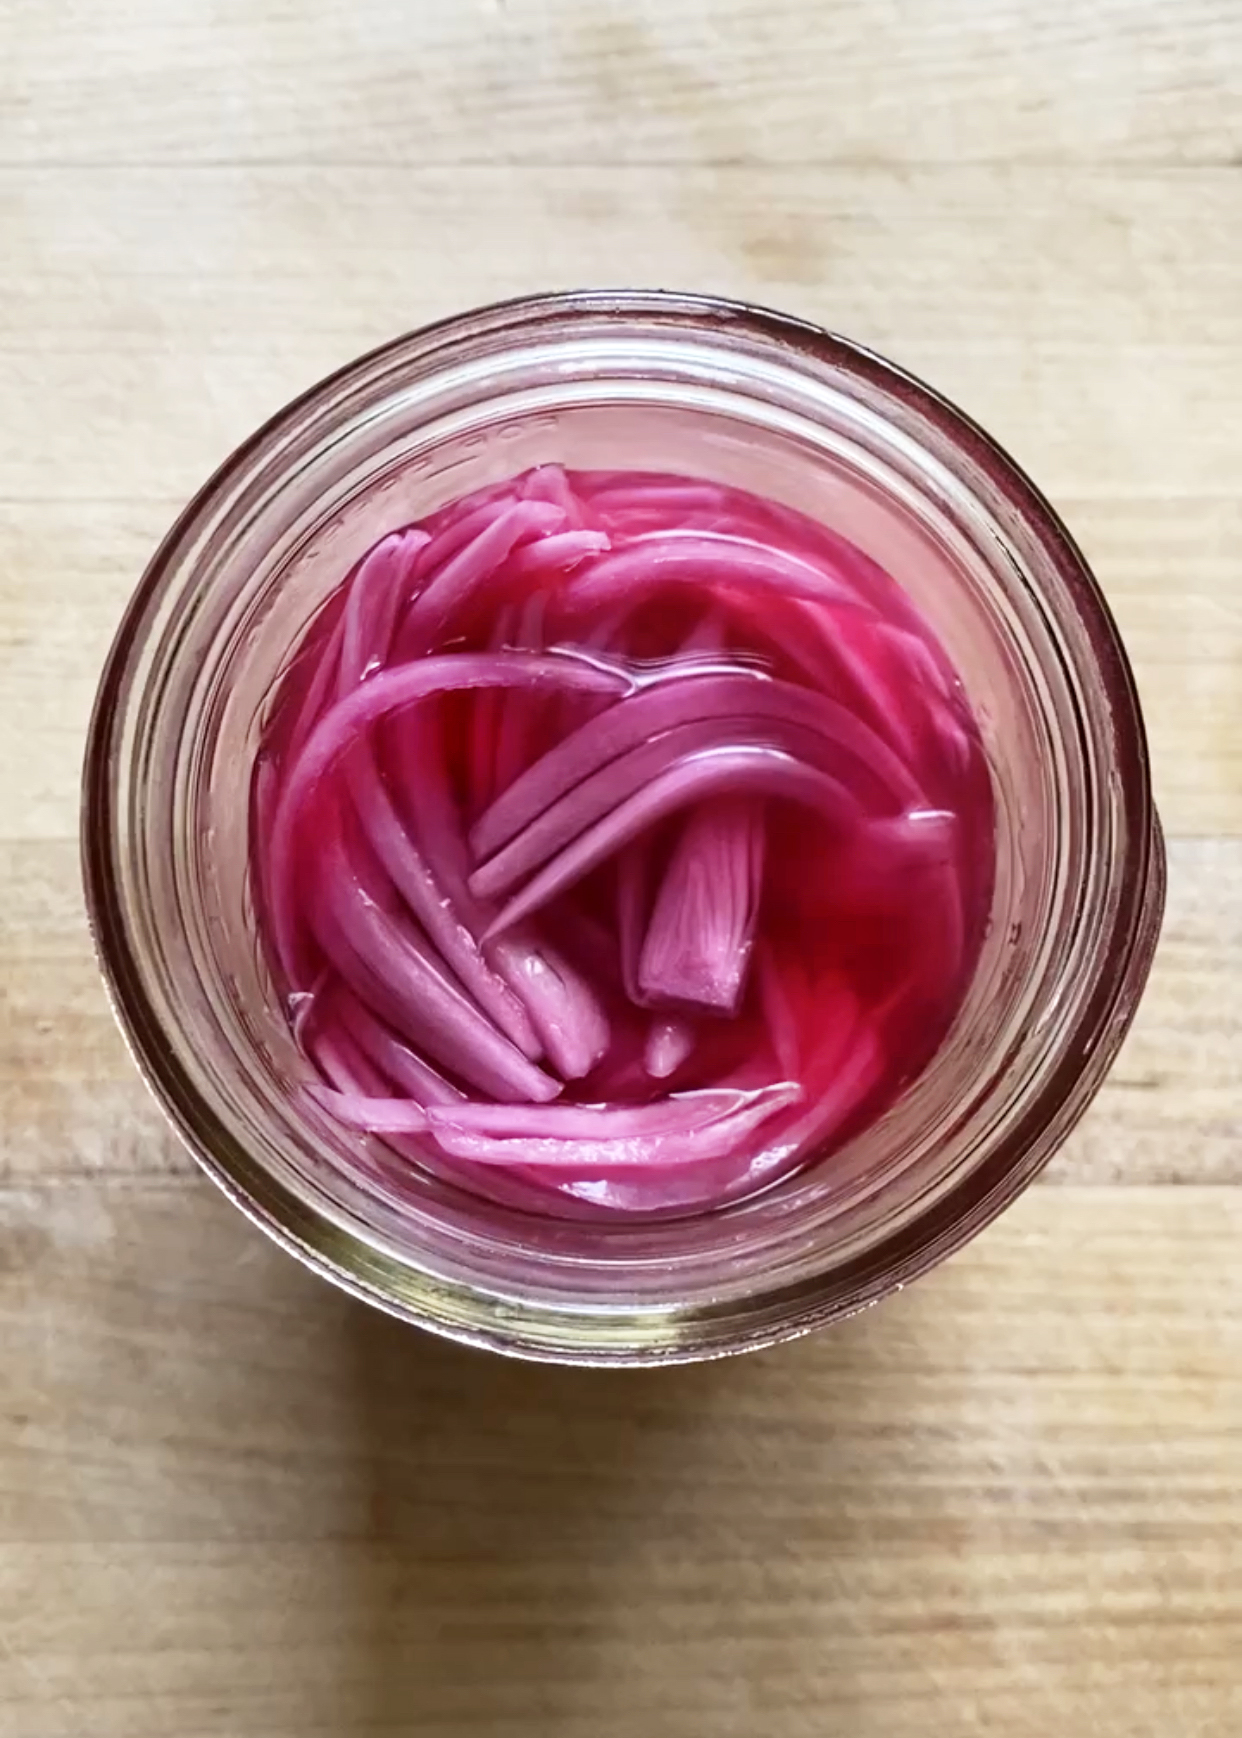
[(234, 1504)]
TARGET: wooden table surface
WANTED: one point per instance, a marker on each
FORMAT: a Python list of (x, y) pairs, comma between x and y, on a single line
[(235, 1505)]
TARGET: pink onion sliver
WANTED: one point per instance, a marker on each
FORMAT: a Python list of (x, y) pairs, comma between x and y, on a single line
[(384, 960), (563, 1008), (404, 684), (407, 1071), (376, 594), (697, 558), (581, 805), (686, 1110), (336, 1055), (928, 667), (848, 1062), (818, 544), (391, 1116), (669, 500), (764, 771), (361, 1086), (481, 788), (399, 1124), (670, 1042), (814, 646), (387, 692), (342, 1061), (516, 717), (556, 554), (648, 505), (614, 784), (698, 943), (355, 972), (683, 1141), (415, 764), (739, 1173), (511, 748), (680, 700), (567, 1014), (411, 876), (551, 483), (894, 707), (460, 523), (453, 584), (485, 718)]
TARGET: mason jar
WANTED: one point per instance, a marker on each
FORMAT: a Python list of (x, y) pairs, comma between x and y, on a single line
[(698, 387)]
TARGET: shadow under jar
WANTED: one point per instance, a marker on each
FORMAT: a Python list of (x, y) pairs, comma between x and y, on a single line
[(694, 387)]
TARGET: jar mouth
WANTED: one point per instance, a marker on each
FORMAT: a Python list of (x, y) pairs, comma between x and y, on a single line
[(130, 794)]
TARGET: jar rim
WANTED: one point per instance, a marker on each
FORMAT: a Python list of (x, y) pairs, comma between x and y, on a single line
[(780, 1312)]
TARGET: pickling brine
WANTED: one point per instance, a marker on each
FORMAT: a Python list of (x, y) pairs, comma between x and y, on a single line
[(620, 842)]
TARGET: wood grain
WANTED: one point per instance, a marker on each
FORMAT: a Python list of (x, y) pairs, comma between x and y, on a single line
[(622, 81), (234, 1502), (235, 1505), (1092, 319)]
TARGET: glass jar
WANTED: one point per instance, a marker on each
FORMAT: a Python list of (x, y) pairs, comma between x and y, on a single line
[(655, 382)]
